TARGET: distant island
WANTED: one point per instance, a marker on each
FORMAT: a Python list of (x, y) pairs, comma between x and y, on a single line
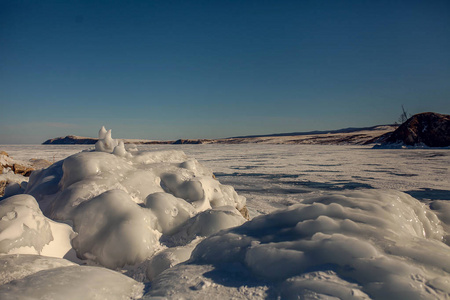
[(424, 129)]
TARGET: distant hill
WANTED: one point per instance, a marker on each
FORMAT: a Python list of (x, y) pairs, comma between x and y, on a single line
[(346, 136), (424, 129), (71, 140), (80, 140), (317, 132)]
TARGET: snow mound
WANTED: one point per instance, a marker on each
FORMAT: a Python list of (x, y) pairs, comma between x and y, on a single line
[(114, 231), (123, 203), (73, 282), (83, 176), (105, 141), (23, 227), (207, 223), (25, 230), (171, 212), (352, 245)]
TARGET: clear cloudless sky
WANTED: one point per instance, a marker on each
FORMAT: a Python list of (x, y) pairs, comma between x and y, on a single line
[(162, 69)]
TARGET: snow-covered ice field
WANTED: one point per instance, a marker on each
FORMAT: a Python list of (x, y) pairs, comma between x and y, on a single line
[(275, 176), (328, 222)]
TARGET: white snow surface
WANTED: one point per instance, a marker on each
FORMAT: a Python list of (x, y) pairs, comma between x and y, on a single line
[(329, 222)]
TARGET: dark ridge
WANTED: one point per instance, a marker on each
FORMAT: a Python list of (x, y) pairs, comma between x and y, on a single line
[(189, 141), (71, 140)]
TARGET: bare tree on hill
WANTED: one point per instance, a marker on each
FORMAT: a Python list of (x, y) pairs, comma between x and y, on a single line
[(404, 116)]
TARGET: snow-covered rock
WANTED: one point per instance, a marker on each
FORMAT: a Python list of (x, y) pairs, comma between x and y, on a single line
[(9, 164), (14, 173)]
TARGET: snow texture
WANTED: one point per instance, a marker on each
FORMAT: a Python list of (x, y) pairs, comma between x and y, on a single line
[(18, 266)]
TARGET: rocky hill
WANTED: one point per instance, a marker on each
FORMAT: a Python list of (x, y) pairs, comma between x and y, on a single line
[(11, 169), (424, 129)]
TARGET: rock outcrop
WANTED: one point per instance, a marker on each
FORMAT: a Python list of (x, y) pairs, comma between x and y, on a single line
[(429, 129), (9, 165), (71, 140), (6, 162), (3, 184), (191, 141)]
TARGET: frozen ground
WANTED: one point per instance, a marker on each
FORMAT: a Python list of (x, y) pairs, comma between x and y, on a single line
[(323, 224)]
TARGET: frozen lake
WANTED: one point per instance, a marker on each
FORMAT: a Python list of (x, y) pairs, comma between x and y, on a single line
[(326, 222), (275, 176)]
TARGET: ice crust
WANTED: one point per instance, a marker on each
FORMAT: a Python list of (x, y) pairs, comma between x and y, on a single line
[(73, 282), (18, 266)]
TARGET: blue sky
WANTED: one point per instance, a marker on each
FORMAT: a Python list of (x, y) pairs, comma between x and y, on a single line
[(209, 69)]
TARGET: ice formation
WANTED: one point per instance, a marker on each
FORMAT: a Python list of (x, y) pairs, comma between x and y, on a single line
[(23, 227), (353, 245), (105, 141), (123, 204), (25, 230), (114, 231), (168, 258)]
